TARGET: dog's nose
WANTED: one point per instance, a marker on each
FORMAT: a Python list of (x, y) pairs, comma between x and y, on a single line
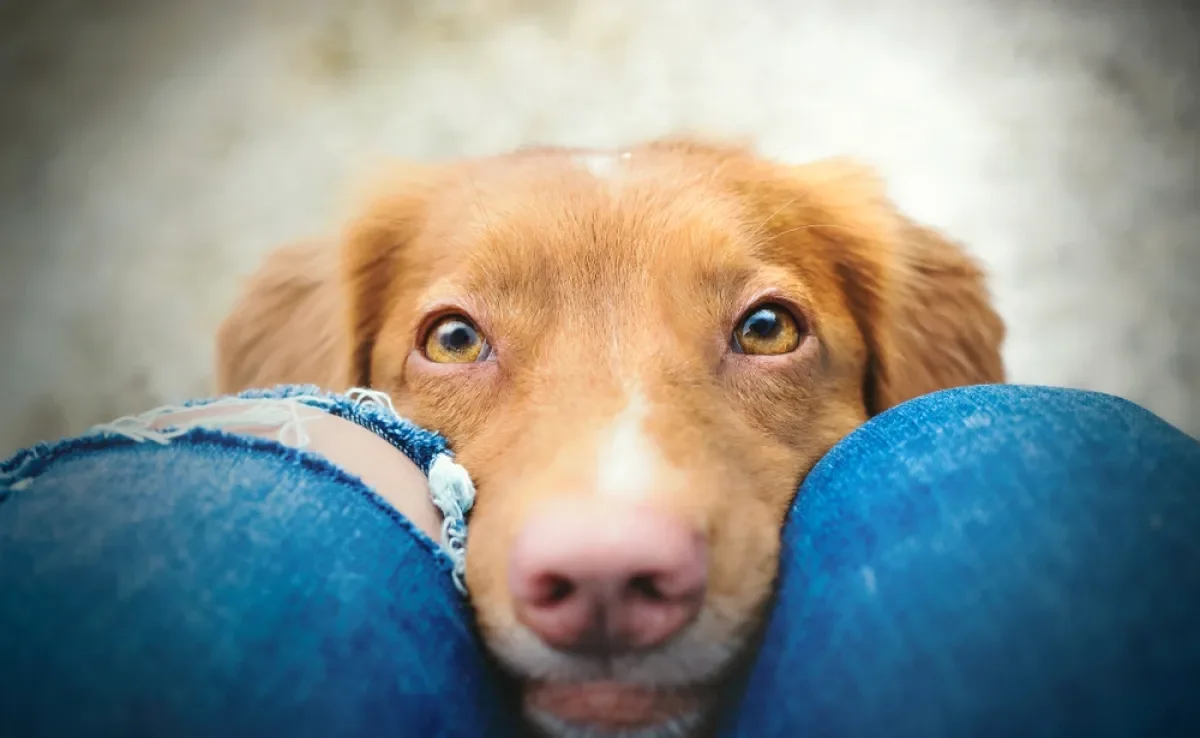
[(606, 579)]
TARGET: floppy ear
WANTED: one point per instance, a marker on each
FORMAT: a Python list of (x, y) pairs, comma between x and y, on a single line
[(920, 301), (285, 327), (937, 326), (372, 266)]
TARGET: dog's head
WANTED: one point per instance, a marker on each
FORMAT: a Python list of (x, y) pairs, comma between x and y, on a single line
[(638, 356)]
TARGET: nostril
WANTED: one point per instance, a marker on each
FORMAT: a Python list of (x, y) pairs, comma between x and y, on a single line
[(549, 590), (645, 587), (558, 589)]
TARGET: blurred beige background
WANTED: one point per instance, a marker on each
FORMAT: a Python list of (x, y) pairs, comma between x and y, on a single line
[(151, 151)]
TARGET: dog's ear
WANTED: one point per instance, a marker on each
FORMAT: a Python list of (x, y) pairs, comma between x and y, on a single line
[(372, 269), (286, 326), (920, 301), (931, 325)]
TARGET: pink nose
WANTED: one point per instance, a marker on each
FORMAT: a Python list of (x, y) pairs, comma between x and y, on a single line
[(607, 579)]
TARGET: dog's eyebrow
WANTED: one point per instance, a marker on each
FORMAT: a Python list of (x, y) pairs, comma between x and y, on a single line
[(725, 280), (524, 275)]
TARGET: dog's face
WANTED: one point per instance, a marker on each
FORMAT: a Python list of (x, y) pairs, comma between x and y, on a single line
[(638, 356)]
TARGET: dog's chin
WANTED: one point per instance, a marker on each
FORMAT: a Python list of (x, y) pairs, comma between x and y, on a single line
[(667, 691), (600, 709)]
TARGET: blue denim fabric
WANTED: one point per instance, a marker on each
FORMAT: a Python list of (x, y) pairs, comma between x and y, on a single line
[(991, 561), (986, 561), (221, 585)]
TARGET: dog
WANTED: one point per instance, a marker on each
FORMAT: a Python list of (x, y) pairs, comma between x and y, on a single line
[(638, 355)]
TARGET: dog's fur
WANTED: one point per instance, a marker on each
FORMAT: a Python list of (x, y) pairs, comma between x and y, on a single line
[(608, 285)]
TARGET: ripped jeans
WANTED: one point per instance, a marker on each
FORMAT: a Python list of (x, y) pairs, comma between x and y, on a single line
[(1007, 561)]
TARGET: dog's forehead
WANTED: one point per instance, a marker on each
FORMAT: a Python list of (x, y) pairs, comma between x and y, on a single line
[(593, 218)]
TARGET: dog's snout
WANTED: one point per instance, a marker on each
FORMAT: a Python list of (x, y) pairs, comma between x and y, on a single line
[(607, 580)]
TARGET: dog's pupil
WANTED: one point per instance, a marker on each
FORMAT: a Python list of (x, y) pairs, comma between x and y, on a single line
[(762, 324), (459, 336)]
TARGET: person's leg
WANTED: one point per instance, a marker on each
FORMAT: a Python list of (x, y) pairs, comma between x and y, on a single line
[(1001, 561), (224, 585)]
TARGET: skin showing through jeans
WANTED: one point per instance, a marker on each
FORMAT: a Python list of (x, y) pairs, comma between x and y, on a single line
[(358, 451)]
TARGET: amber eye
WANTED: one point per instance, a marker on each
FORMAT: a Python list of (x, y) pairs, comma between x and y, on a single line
[(767, 330), (454, 339)]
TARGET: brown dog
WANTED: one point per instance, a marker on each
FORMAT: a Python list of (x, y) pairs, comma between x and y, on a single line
[(638, 355)]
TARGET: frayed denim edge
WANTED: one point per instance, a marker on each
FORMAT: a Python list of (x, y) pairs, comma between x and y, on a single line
[(450, 486), (314, 462), (421, 446)]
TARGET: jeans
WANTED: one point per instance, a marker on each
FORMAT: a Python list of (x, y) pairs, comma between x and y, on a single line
[(1009, 561)]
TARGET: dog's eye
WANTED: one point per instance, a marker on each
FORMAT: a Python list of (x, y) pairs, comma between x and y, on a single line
[(767, 330), (455, 340)]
